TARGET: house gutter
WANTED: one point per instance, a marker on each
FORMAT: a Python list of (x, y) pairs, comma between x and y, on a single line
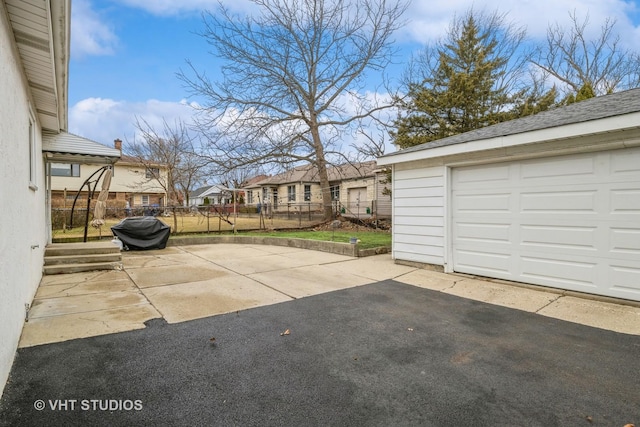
[(625, 122)]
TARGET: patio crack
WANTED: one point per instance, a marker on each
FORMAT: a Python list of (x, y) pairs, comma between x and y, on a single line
[(245, 275), (270, 287), (549, 303), (141, 292)]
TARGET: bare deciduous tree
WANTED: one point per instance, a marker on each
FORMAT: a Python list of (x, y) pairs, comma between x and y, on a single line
[(172, 148), (291, 84), (579, 63)]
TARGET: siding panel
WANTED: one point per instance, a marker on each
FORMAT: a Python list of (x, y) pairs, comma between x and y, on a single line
[(418, 220)]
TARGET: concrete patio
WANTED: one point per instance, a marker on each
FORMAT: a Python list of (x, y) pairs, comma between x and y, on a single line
[(182, 283)]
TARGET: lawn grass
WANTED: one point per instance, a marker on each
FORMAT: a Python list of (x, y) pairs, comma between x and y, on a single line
[(189, 226)]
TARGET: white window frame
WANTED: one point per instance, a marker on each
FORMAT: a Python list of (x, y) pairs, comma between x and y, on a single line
[(335, 192), (73, 169), (152, 173)]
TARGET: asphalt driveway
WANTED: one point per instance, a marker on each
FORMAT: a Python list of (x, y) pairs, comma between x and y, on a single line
[(381, 354)]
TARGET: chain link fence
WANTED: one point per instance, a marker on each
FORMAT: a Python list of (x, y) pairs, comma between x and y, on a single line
[(215, 218), (200, 219)]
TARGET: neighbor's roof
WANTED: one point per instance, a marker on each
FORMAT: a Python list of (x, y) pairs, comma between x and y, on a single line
[(309, 173), (249, 182), (601, 107), (205, 191), (131, 160), (65, 147)]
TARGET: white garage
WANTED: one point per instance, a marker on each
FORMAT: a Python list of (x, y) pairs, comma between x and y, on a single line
[(551, 199)]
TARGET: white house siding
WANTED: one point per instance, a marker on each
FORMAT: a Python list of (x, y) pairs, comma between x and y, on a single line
[(23, 231), (129, 183), (126, 178), (418, 215)]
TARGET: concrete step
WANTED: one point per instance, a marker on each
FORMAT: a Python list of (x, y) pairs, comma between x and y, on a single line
[(77, 268), (102, 247), (62, 258), (83, 259)]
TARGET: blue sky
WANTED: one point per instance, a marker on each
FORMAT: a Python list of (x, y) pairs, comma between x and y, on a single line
[(125, 53)]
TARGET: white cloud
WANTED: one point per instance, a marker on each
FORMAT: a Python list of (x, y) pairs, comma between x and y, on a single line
[(173, 7), (89, 34), (104, 120), (430, 20)]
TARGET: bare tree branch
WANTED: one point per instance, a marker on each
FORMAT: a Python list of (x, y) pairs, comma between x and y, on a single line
[(169, 159), (575, 61), (282, 95)]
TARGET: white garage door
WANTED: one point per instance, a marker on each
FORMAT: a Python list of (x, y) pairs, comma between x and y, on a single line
[(570, 222)]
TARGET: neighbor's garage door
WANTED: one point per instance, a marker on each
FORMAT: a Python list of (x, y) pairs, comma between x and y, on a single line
[(357, 200), (570, 222)]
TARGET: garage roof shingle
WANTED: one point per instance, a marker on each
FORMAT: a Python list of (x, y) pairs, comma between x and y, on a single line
[(600, 107)]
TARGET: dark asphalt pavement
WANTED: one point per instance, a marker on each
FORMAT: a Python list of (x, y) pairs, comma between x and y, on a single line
[(377, 355)]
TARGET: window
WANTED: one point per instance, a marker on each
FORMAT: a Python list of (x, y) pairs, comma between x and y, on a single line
[(32, 155), (265, 194), (307, 193), (291, 191), (335, 192), (145, 200), (250, 197), (275, 197), (65, 169), (151, 173)]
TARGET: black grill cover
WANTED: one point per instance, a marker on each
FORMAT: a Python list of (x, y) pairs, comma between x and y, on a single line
[(144, 232)]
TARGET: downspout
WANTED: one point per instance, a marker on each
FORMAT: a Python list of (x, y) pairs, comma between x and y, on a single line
[(47, 172)]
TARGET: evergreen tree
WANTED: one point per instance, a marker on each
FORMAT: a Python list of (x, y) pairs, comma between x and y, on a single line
[(470, 80), (534, 101), (585, 92)]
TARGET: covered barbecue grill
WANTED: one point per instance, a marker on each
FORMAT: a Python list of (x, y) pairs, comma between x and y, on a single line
[(141, 233)]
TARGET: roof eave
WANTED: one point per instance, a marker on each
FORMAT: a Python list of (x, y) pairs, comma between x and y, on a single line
[(61, 35), (41, 31), (605, 125), (63, 147)]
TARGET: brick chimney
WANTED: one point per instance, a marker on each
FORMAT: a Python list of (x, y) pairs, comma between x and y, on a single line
[(118, 144)]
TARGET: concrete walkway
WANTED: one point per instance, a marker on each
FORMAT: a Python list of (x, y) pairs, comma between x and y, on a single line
[(183, 283)]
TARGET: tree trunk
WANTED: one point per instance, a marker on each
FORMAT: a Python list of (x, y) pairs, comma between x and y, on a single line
[(321, 164)]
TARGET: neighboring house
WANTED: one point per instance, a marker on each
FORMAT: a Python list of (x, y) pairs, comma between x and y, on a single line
[(358, 188), (34, 55), (215, 195), (551, 199), (131, 182)]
